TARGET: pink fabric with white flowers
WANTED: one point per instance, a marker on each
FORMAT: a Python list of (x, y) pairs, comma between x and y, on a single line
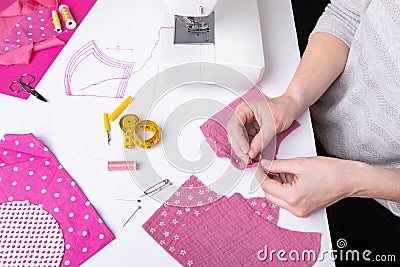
[(215, 131), (196, 235)]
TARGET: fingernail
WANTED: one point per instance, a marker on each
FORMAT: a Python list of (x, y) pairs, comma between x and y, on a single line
[(253, 154)]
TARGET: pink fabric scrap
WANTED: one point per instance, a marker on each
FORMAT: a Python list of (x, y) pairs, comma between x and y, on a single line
[(173, 227), (215, 131), (50, 3), (230, 234), (30, 172)]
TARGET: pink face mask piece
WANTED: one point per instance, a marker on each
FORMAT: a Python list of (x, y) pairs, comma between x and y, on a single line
[(30, 172), (173, 226), (215, 131), (231, 234)]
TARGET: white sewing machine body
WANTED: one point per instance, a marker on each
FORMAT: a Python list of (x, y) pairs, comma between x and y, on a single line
[(224, 32)]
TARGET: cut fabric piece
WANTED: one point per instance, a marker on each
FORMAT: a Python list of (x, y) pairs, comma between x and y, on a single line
[(215, 131), (102, 67), (12, 14), (21, 223), (30, 172), (22, 55), (21, 28), (171, 226), (170, 221), (230, 234), (46, 44), (267, 210), (50, 3), (34, 27), (40, 61)]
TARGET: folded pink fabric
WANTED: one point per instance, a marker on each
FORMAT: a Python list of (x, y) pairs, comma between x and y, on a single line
[(50, 3), (34, 27), (31, 173), (215, 131), (23, 54), (174, 227)]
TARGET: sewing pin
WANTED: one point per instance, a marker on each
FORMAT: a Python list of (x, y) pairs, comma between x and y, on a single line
[(129, 200), (138, 208)]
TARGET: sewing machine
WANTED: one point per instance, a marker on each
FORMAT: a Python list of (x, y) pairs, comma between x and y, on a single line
[(225, 32)]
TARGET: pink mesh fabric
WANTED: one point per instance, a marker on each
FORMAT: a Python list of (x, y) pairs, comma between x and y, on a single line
[(215, 131)]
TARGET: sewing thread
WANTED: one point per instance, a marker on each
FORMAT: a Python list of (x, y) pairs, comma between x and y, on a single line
[(56, 21), (67, 17)]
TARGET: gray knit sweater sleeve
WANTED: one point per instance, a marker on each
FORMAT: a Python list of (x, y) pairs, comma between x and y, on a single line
[(341, 18), (357, 118)]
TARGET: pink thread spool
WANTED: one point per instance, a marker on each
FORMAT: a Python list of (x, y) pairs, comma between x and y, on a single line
[(121, 165)]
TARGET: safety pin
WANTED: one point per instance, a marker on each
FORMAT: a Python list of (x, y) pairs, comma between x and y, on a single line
[(156, 188), (151, 191)]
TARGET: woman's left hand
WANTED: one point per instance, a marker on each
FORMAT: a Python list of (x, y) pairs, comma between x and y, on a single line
[(312, 183)]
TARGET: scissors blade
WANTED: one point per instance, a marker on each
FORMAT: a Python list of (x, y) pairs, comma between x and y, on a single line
[(40, 97), (37, 95)]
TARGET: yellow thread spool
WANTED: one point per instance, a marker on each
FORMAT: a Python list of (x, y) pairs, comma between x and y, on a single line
[(67, 17), (56, 21)]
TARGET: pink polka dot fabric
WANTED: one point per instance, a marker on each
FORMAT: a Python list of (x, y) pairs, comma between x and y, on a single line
[(174, 227), (34, 27), (30, 172), (215, 131)]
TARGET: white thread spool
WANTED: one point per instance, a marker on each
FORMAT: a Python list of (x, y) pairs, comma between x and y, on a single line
[(67, 17)]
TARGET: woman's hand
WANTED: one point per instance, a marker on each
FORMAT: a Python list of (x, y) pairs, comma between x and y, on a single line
[(312, 183), (256, 122)]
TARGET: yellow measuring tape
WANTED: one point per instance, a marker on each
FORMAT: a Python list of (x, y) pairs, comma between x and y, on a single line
[(131, 126)]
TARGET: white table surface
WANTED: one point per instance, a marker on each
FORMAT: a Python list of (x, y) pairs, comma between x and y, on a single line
[(72, 127)]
